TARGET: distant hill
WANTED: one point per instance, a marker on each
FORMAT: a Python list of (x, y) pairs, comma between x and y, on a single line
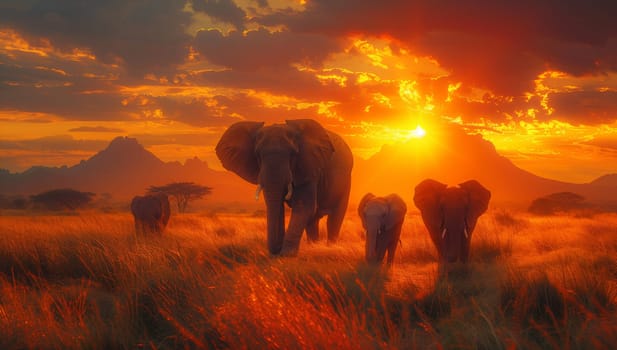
[(124, 169), (609, 180), (451, 156)]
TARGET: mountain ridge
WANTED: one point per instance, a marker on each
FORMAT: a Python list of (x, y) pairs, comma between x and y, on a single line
[(125, 168), (461, 157)]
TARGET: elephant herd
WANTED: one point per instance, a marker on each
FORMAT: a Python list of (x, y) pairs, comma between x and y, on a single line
[(308, 168)]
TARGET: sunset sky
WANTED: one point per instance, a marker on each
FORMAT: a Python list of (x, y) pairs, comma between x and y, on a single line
[(536, 78)]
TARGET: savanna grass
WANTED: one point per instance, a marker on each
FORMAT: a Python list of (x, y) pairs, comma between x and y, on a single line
[(85, 281)]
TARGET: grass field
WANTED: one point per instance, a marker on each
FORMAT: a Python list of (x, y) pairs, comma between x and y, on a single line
[(85, 281)]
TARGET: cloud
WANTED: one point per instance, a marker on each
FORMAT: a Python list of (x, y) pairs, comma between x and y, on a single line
[(585, 107), (223, 10), (96, 129), (55, 143), (145, 36), (68, 102), (499, 45), (262, 3), (605, 141), (287, 81), (261, 48), (201, 138), (194, 111)]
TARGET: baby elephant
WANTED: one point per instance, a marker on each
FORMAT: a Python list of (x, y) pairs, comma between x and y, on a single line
[(151, 213), (450, 215), (382, 218)]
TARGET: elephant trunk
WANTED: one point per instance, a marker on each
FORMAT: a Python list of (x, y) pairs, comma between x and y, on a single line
[(371, 246), (454, 240), (371, 252), (275, 220)]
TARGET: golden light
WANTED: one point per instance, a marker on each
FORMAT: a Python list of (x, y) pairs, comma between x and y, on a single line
[(418, 132)]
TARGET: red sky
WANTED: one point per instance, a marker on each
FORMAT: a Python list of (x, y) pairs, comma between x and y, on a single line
[(536, 78)]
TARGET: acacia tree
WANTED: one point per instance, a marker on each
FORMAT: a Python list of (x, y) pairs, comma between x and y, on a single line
[(182, 192), (64, 198), (556, 202)]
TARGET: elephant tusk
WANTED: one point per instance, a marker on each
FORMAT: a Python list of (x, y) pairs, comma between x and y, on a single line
[(289, 191), (466, 234), (443, 233), (257, 191)]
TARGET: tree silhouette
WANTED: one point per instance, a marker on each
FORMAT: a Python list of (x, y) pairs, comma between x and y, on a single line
[(64, 198), (182, 192), (557, 202)]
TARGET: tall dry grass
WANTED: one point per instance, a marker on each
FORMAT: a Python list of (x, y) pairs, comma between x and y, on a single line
[(86, 281)]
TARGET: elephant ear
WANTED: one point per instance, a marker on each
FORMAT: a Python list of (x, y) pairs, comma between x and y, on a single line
[(479, 197), (367, 198), (427, 197), (314, 149), (236, 150), (397, 210)]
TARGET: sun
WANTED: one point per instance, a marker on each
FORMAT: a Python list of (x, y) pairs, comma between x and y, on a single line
[(418, 132)]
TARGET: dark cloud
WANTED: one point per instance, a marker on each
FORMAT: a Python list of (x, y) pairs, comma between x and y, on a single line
[(261, 48), (253, 108), (223, 10), (262, 3), (216, 111), (499, 45), (14, 74), (29, 120), (286, 81), (68, 102), (606, 142), (349, 101), (195, 139), (585, 107), (146, 36), (223, 110), (53, 143), (195, 111), (96, 129)]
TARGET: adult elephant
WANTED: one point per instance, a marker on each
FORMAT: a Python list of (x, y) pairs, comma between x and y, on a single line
[(299, 163), (450, 215), (151, 214), (382, 218)]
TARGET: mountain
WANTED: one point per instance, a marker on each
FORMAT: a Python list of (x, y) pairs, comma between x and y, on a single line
[(451, 156), (125, 169), (609, 180)]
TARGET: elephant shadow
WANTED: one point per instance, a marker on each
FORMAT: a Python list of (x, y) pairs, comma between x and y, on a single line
[(455, 285)]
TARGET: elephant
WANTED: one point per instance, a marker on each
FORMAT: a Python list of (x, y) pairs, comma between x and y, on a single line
[(382, 218), (450, 215), (299, 163), (151, 214)]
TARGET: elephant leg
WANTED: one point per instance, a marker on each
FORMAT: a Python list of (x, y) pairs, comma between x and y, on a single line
[(335, 221), (312, 230), (142, 228), (151, 227), (159, 228), (297, 223), (395, 239), (391, 252), (303, 210), (465, 250)]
